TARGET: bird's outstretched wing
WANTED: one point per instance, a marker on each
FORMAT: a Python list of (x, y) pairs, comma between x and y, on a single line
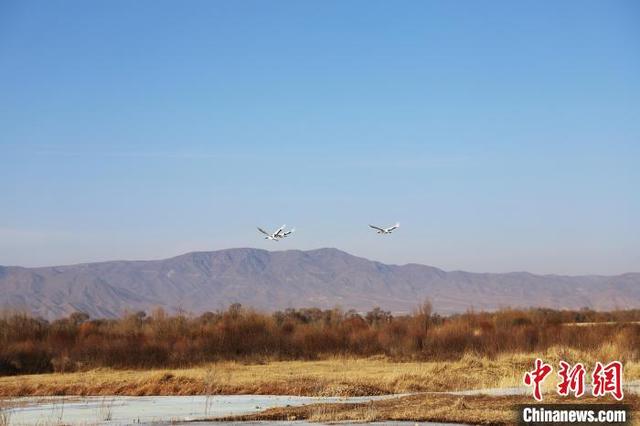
[(396, 226), (287, 233), (375, 227), (264, 232)]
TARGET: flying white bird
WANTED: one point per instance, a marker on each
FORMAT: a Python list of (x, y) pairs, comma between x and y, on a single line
[(277, 235), (385, 230)]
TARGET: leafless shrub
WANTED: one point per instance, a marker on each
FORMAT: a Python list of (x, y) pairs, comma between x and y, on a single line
[(5, 414), (209, 384), (105, 410)]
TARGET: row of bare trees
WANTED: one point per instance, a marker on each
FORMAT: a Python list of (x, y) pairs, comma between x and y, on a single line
[(138, 340)]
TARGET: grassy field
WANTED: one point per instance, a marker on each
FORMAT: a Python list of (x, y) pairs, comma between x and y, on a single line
[(340, 376), (330, 377)]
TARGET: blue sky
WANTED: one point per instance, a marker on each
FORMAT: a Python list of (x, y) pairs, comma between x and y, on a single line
[(502, 135)]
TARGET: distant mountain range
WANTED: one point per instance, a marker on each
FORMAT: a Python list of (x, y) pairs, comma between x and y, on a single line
[(325, 278)]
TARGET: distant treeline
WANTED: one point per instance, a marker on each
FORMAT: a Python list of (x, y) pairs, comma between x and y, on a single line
[(138, 340)]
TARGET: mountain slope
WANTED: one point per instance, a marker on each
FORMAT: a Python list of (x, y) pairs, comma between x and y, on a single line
[(206, 281)]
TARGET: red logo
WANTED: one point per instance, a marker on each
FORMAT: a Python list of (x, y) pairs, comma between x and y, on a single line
[(572, 379), (536, 377), (605, 379)]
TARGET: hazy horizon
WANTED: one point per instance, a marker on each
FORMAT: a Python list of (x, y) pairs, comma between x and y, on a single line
[(502, 136)]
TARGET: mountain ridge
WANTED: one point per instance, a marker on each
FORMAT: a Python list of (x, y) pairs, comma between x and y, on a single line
[(269, 280), (313, 250)]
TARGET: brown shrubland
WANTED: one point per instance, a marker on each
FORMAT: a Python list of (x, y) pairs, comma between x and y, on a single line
[(140, 341)]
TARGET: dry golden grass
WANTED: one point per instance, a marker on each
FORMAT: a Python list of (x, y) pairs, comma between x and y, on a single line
[(331, 377), (478, 409), (436, 408)]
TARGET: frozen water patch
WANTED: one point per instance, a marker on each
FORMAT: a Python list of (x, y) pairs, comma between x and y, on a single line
[(117, 410)]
